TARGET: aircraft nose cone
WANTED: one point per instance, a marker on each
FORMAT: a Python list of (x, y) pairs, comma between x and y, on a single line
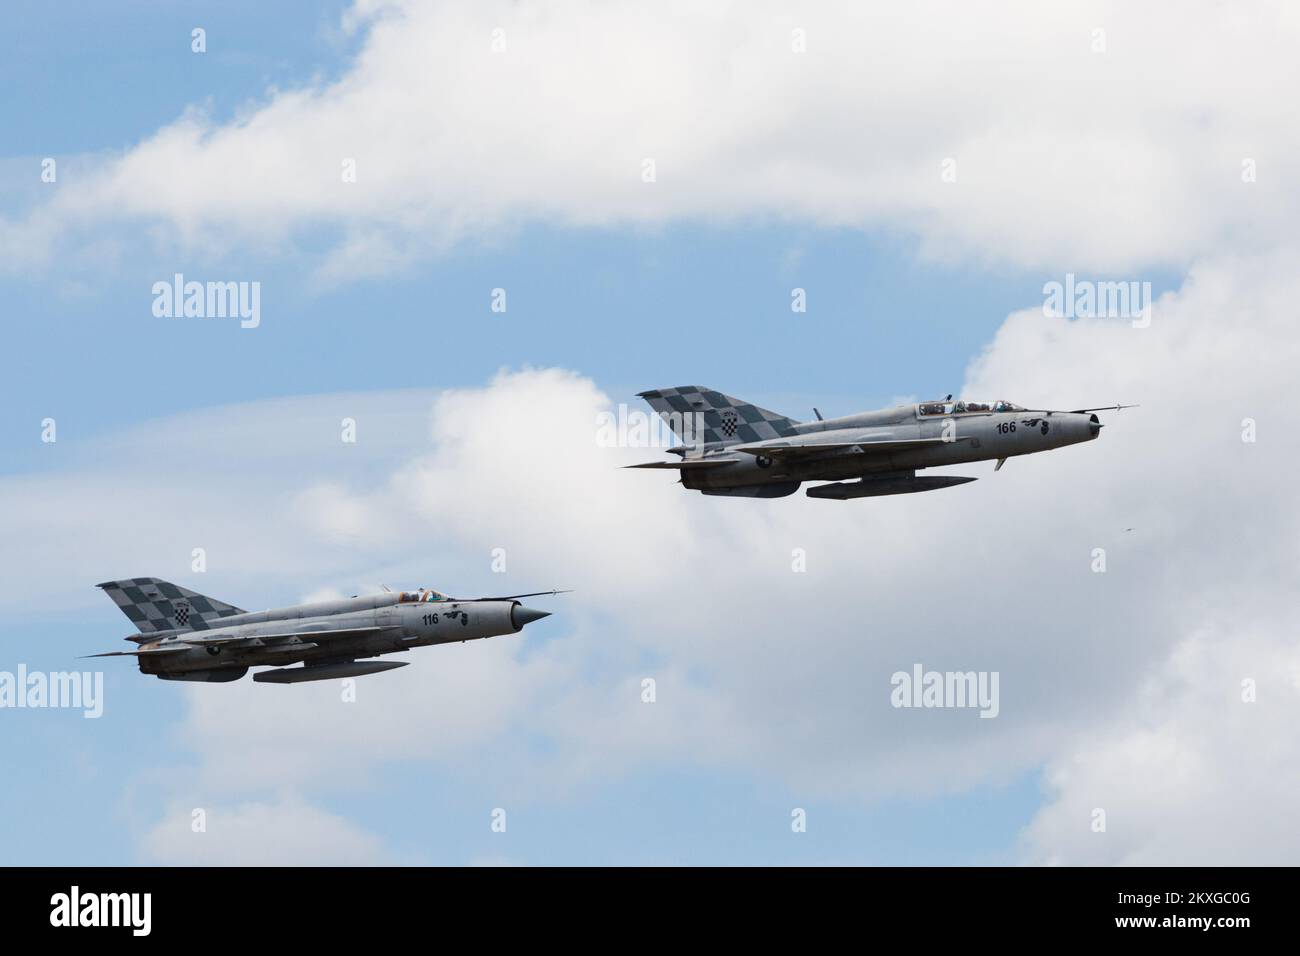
[(520, 615)]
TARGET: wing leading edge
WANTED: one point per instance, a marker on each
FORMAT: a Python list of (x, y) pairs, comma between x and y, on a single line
[(691, 464), (820, 448)]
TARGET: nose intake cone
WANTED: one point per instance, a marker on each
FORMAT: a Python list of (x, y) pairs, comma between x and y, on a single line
[(520, 615), (1094, 424)]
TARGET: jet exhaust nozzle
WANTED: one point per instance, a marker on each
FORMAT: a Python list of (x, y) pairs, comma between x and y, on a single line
[(873, 487)]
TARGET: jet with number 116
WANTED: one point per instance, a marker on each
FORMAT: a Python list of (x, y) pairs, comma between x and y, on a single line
[(730, 447), (184, 635)]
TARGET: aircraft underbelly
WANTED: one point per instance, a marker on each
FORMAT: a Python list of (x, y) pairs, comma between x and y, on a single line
[(842, 464), (210, 641), (279, 651)]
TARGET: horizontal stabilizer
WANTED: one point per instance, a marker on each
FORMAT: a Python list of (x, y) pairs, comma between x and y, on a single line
[(144, 651), (689, 464)]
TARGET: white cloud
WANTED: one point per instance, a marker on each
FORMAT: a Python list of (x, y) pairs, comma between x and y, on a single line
[(785, 674), (1190, 772), (286, 831), (1125, 685), (1111, 160)]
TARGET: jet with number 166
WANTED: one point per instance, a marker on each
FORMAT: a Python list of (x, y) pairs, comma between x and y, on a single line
[(736, 449)]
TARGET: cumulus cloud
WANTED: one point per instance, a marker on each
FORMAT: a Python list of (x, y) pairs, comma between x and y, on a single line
[(1198, 768), (286, 831), (1086, 134), (786, 674), (1125, 684), (1072, 149)]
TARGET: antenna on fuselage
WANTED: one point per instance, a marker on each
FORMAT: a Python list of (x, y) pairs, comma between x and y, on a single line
[(818, 414)]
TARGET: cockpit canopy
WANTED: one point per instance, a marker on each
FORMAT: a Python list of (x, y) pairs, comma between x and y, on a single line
[(422, 596), (966, 408)]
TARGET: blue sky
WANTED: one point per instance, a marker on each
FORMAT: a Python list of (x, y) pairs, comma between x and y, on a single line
[(628, 304)]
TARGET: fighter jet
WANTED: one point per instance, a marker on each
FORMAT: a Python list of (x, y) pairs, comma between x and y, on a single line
[(730, 447), (184, 635)]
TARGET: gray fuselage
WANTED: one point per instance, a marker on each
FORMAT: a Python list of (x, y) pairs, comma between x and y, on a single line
[(401, 627), (965, 437)]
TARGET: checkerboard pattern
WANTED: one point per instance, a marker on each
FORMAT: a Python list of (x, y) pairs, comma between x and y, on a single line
[(727, 420), (153, 604)]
